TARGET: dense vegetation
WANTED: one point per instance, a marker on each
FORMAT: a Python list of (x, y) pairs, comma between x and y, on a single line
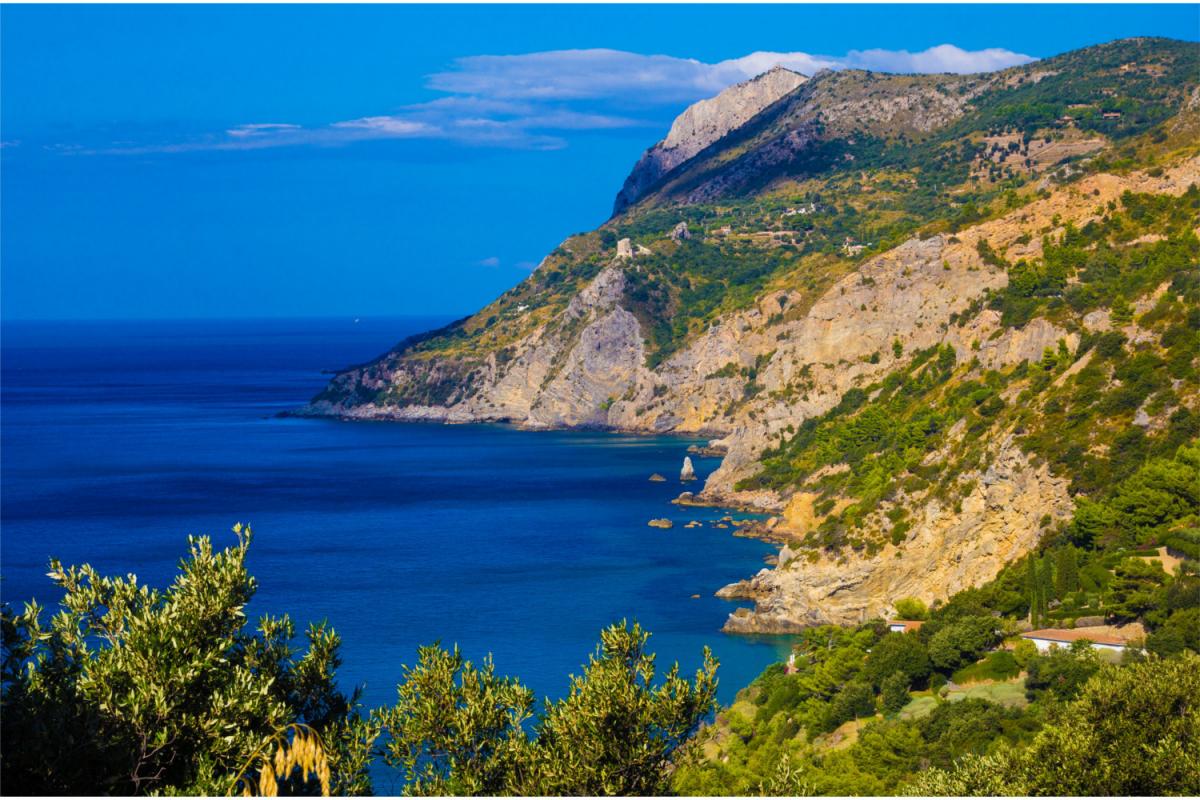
[(948, 710), (134, 690), (1072, 726)]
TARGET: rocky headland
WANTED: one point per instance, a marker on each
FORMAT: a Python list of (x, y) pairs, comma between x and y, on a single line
[(620, 328)]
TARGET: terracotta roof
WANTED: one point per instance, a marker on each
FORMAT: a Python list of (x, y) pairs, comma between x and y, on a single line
[(909, 624), (1074, 635)]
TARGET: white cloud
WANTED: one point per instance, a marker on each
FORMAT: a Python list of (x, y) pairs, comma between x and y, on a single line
[(593, 74), (943, 58), (261, 129), (389, 127), (528, 100), (490, 261)]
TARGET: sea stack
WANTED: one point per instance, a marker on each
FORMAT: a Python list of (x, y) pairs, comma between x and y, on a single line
[(687, 473)]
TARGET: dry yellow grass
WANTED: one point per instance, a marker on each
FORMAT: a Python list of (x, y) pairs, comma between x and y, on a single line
[(278, 758)]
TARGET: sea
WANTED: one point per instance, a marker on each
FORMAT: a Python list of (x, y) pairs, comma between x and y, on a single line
[(119, 439)]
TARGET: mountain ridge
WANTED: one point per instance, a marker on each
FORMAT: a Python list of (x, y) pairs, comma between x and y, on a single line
[(781, 283), (704, 123)]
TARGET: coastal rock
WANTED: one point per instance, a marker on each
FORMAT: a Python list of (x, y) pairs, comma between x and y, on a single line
[(687, 473), (741, 590), (660, 523), (656, 478), (947, 551)]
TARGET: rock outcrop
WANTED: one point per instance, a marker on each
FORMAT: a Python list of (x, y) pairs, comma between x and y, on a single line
[(688, 472), (703, 124), (947, 551)]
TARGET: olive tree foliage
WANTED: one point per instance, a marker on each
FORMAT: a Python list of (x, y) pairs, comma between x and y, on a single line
[(456, 729), (459, 729), (132, 690), (1133, 730)]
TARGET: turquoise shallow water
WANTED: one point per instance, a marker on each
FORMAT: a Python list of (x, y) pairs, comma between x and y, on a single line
[(118, 439)]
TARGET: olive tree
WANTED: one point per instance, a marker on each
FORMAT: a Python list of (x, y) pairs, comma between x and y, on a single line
[(459, 729), (133, 690)]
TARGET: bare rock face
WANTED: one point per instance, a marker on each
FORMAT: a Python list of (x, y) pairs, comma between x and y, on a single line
[(702, 124), (949, 551)]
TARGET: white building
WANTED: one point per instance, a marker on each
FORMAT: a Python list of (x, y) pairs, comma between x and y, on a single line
[(1048, 638)]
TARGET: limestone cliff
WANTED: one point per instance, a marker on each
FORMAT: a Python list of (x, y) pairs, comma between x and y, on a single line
[(701, 125), (950, 549)]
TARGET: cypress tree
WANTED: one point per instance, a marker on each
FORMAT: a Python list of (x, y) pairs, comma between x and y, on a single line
[(1046, 582), (1066, 572), (1031, 588)]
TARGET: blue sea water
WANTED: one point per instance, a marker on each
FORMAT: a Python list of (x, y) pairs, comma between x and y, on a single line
[(119, 439)]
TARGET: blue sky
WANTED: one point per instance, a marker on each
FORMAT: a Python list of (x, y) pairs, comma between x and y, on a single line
[(240, 161)]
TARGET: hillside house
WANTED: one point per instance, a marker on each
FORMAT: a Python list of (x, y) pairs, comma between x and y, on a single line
[(905, 625), (1047, 638)]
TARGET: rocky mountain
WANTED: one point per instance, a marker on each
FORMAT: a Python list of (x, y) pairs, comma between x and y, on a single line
[(925, 316), (703, 124)]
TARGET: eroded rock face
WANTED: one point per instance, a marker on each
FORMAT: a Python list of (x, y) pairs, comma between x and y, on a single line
[(948, 551), (561, 375), (702, 124)]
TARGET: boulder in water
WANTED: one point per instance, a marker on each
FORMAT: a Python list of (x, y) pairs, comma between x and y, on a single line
[(657, 478), (660, 523)]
